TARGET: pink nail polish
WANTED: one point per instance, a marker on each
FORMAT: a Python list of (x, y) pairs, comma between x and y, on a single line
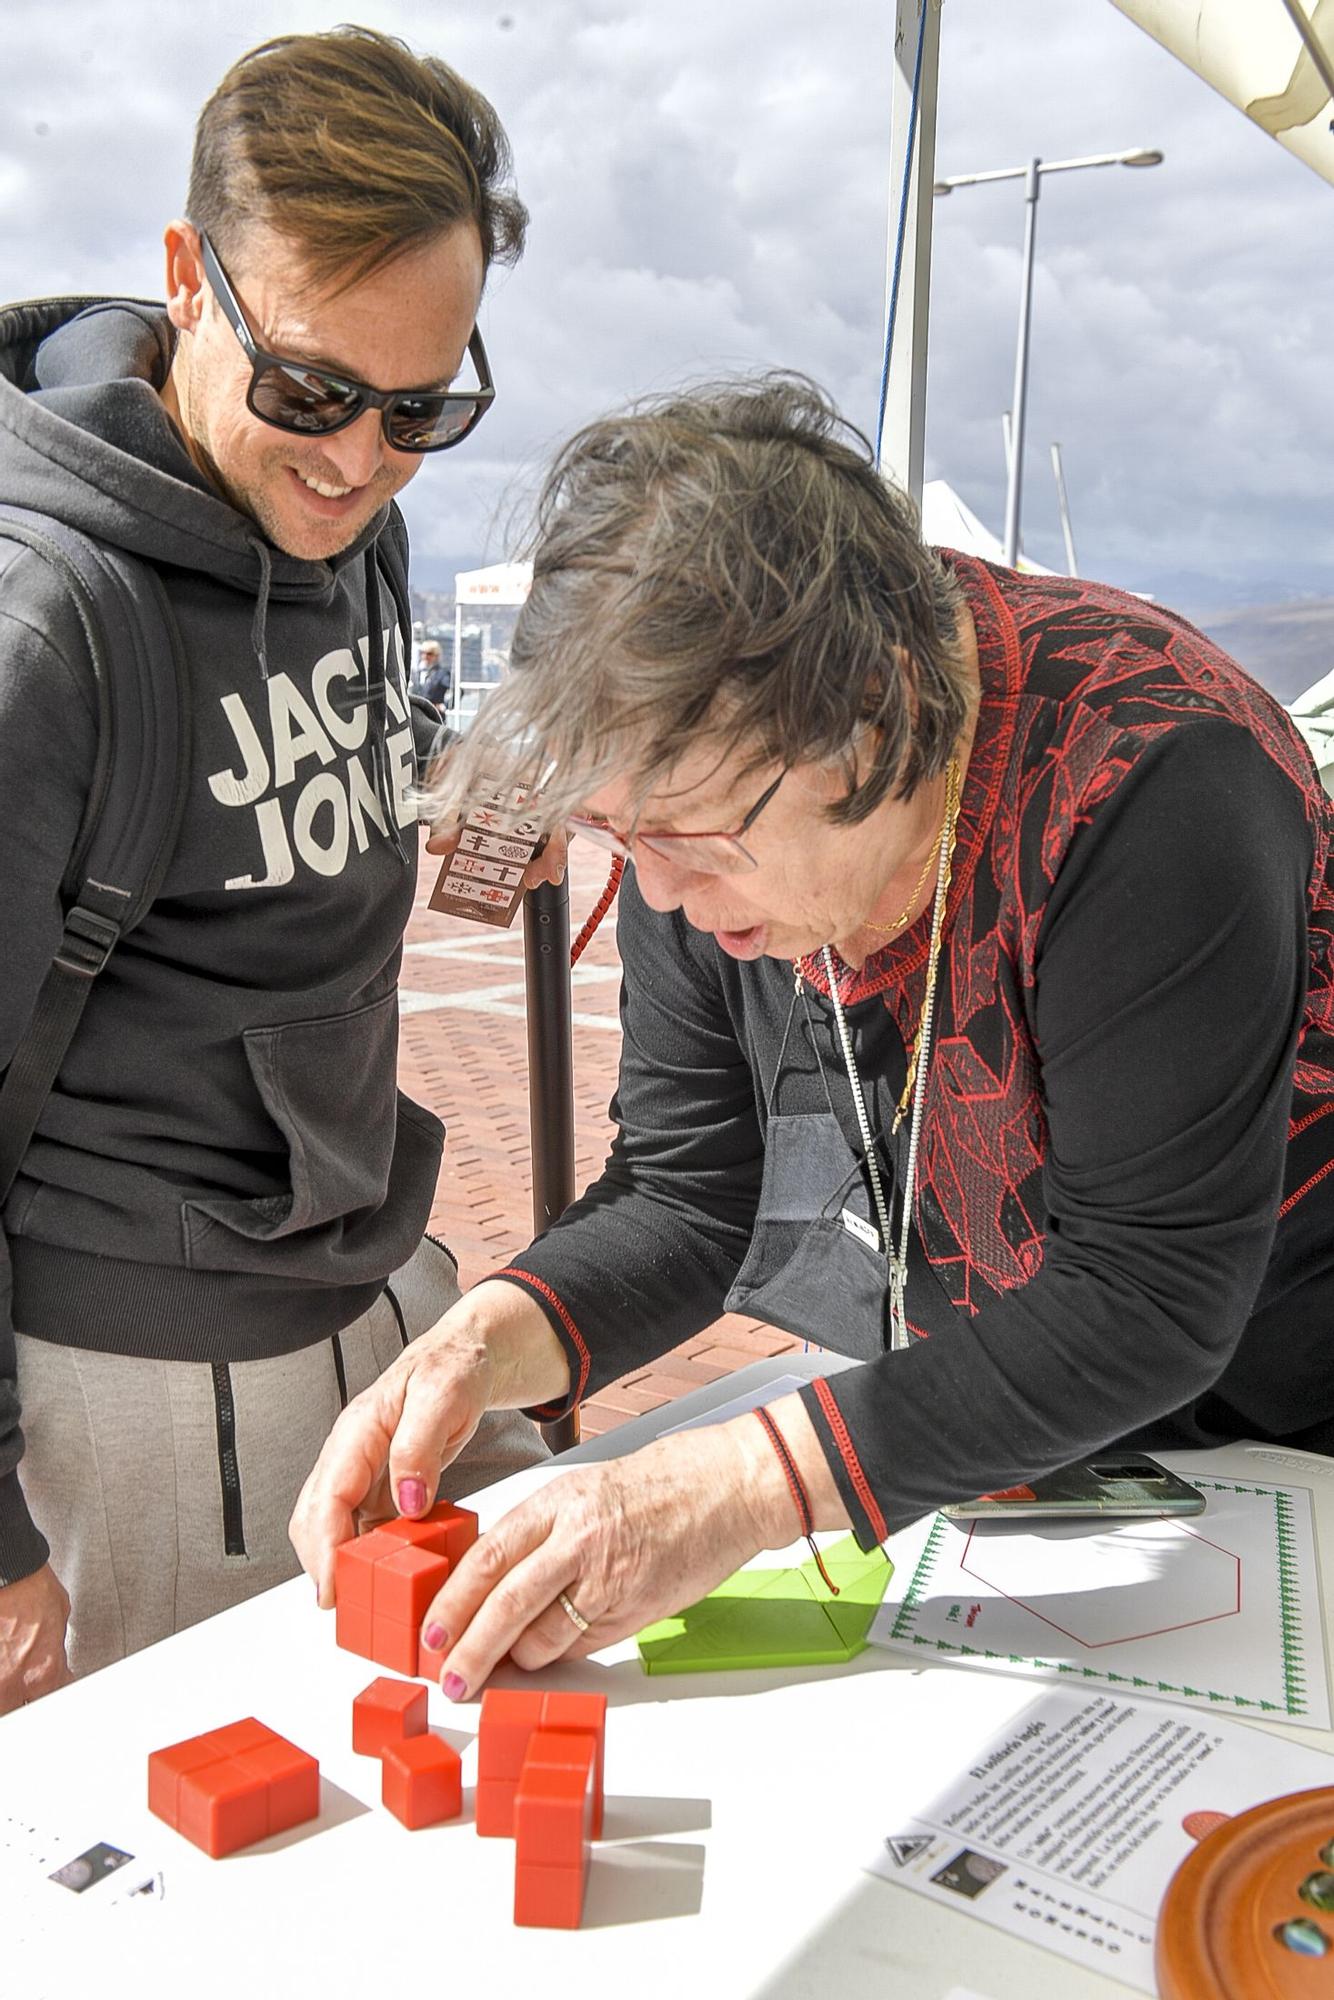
[(411, 1496), (434, 1638), (453, 1687)]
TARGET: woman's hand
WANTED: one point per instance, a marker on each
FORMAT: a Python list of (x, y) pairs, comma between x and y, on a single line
[(627, 1542), (493, 1350)]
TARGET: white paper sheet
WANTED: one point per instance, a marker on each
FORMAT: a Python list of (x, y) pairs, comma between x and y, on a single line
[(1070, 1822), (1220, 1609)]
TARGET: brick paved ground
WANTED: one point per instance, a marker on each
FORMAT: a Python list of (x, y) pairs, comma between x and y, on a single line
[(463, 1051)]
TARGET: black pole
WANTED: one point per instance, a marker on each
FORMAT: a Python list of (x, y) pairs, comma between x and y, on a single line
[(546, 950)]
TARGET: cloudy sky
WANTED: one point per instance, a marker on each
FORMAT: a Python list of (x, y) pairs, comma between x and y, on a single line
[(708, 182)]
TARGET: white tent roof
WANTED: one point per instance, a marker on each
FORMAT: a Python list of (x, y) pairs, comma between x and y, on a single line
[(499, 583), (1253, 54), (947, 522)]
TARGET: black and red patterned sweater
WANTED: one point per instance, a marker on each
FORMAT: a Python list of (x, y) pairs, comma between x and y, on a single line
[(1124, 1223)]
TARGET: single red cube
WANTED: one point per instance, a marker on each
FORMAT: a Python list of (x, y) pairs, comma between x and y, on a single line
[(167, 1767), (222, 1808), (355, 1564), (459, 1525), (387, 1712), (394, 1645), (583, 1713), (509, 1717), (553, 1808), (549, 1898), (291, 1779), (352, 1629), (422, 1781), (494, 1808), (406, 1582)]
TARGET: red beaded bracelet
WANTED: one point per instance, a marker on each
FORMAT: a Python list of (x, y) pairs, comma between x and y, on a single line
[(789, 1465)]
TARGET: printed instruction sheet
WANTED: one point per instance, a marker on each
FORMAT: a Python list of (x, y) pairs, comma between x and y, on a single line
[(1220, 1609), (1072, 1818)]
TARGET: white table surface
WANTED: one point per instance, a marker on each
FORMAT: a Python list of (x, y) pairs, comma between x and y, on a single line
[(741, 1811)]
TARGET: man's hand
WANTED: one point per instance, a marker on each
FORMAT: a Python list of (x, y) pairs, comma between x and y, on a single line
[(34, 1613), (493, 1350)]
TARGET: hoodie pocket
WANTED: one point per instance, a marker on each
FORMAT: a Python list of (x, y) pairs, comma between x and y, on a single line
[(354, 1145)]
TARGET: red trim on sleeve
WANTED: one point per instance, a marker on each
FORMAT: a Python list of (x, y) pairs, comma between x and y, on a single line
[(585, 1358), (1310, 1119), (842, 1438), (1305, 1188)]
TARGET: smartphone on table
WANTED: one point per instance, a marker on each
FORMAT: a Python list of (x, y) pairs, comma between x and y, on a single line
[(1111, 1484)]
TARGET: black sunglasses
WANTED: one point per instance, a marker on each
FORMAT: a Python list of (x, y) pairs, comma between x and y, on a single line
[(295, 396)]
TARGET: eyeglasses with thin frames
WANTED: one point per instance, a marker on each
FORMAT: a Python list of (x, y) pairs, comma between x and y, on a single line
[(316, 402), (712, 853)]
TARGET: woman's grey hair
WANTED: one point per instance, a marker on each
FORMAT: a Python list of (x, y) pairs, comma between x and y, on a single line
[(723, 568)]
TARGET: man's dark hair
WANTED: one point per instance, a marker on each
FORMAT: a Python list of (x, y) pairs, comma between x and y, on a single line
[(354, 148)]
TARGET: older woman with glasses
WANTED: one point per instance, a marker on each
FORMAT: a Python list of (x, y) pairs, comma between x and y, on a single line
[(978, 1022)]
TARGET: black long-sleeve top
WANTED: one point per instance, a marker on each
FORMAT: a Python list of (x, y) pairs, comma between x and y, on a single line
[(1124, 1223)]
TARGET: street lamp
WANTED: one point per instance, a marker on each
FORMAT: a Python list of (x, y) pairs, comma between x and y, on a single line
[(1031, 176)]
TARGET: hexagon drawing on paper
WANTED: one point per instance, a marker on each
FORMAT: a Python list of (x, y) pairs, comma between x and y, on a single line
[(1101, 1589)]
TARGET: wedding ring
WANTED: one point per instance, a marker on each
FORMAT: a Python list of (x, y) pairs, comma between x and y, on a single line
[(576, 1617)]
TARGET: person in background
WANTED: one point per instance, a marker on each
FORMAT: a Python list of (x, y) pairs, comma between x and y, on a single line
[(436, 679), (208, 1248), (978, 1010)]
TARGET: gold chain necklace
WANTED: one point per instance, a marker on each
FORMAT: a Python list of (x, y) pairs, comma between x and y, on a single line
[(901, 922), (945, 838), (948, 829), (914, 1088)]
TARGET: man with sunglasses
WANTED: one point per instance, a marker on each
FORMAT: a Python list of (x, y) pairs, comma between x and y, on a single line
[(216, 1236)]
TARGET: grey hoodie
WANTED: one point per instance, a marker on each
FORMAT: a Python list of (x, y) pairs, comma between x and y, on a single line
[(225, 1169)]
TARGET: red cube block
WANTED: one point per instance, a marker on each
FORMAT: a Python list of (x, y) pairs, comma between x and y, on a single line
[(233, 1786), (405, 1583), (167, 1767), (222, 1808), (459, 1526), (422, 1781), (355, 1564), (494, 1807), (394, 1645), (291, 1779), (553, 1808), (352, 1629), (509, 1717), (387, 1712), (582, 1713), (549, 1898)]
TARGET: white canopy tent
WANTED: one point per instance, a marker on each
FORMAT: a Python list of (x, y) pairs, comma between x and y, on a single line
[(948, 522), (500, 586), (1273, 59)]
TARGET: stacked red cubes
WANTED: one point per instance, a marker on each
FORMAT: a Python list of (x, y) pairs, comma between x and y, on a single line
[(421, 1778), (384, 1581), (233, 1786), (540, 1780)]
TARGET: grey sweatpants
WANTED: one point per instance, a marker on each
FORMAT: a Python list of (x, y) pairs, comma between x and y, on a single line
[(165, 1487)]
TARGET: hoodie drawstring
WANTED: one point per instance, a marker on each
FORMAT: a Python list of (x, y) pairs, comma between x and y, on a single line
[(259, 624), (377, 702)]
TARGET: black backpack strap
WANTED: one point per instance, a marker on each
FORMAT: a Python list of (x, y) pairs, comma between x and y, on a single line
[(133, 814)]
